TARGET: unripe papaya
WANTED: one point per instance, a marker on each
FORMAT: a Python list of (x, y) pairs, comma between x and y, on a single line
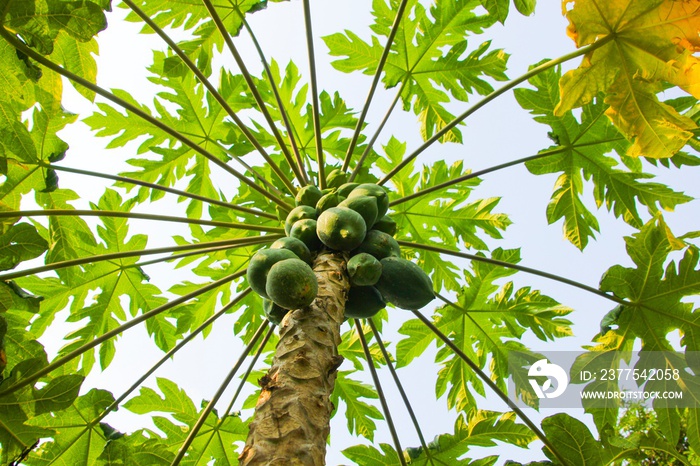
[(326, 202), (379, 244), (336, 178), (273, 312), (363, 302), (371, 189), (291, 284), (345, 189), (260, 265), (364, 269), (341, 229), (404, 284), (385, 224), (308, 195), (305, 230), (298, 213), (295, 245), (363, 205)]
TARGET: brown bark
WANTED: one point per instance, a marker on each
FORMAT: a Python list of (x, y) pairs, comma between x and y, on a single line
[(292, 416)]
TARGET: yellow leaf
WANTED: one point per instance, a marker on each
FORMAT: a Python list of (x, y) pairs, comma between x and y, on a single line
[(656, 129), (642, 44)]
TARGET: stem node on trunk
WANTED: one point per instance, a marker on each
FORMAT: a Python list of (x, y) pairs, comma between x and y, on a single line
[(292, 416)]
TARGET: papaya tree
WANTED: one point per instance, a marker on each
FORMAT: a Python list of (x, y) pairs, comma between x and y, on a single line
[(237, 197)]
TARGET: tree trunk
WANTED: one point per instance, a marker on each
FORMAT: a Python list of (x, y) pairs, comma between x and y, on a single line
[(292, 416)]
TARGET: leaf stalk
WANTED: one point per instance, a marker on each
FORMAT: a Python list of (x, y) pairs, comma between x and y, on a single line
[(380, 392), (314, 95), (375, 82), (251, 85), (136, 215)]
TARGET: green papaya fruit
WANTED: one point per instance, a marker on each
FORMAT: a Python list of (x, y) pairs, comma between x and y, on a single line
[(260, 265), (305, 230), (364, 269), (291, 284), (345, 189), (363, 302), (379, 244), (326, 202), (363, 205), (404, 284), (341, 228), (298, 213), (371, 189), (295, 245), (308, 195), (273, 312), (336, 178), (385, 224)]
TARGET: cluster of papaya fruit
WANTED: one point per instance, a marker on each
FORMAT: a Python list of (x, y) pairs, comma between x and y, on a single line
[(347, 217)]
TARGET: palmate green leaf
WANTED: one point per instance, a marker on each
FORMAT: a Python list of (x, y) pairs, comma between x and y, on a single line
[(335, 117), (486, 323), (94, 291), (194, 17), (19, 86), (17, 80), (360, 415), (581, 156), (214, 442), (198, 114), (195, 114), (15, 436), (122, 127), (19, 344), (574, 442), (77, 56), (26, 85), (654, 291), (350, 346), (68, 236), (215, 266), (20, 148), (20, 428), (39, 22), (22, 242), (428, 57), (368, 455), (479, 429), (607, 354), (135, 450), (78, 439)]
